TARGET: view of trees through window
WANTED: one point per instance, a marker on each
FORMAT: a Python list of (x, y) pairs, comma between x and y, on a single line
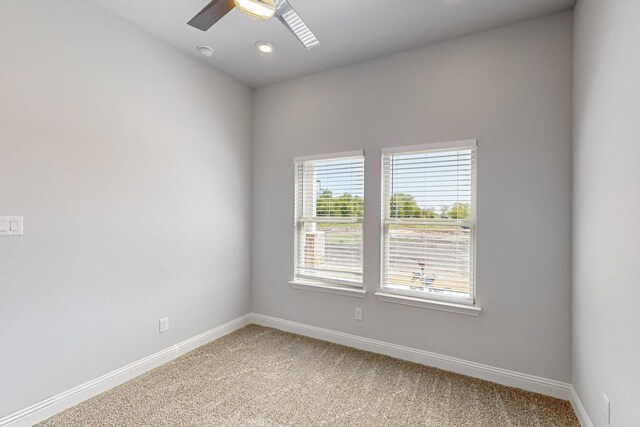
[(330, 210), (428, 221), (345, 205), (403, 205)]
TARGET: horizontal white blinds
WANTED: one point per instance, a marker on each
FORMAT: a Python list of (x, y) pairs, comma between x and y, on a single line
[(429, 222), (329, 211)]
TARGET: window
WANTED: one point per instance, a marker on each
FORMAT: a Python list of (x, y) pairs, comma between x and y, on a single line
[(329, 211), (429, 221)]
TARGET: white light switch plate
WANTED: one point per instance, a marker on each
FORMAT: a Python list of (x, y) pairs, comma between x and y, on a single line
[(11, 226)]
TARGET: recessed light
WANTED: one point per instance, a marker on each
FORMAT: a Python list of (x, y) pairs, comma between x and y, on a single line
[(265, 47), (205, 50)]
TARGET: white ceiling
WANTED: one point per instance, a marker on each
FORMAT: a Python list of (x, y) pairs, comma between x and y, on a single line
[(349, 30)]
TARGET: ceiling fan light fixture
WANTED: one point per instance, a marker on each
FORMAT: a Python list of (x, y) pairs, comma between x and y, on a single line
[(259, 9)]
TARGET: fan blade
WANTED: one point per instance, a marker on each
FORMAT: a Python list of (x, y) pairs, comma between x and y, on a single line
[(288, 16), (211, 14)]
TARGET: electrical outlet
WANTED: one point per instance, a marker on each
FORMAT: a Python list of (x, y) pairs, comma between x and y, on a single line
[(164, 325), (358, 313), (606, 409)]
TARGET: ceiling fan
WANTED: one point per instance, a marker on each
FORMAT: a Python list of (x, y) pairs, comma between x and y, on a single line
[(259, 9)]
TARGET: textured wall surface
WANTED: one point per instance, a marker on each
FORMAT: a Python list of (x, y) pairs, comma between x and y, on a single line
[(511, 89), (606, 243), (130, 162)]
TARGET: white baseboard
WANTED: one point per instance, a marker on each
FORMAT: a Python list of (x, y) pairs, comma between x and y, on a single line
[(527, 382), (578, 408), (49, 407)]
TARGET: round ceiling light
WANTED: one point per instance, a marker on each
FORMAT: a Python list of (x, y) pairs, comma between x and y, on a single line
[(205, 50), (265, 47)]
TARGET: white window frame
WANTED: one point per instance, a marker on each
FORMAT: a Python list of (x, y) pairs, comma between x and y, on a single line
[(308, 282), (422, 298)]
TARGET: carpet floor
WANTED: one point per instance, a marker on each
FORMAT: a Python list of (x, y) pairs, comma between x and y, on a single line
[(259, 376)]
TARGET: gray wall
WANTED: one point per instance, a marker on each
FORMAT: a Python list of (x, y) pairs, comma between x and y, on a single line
[(509, 87), (606, 250), (130, 163)]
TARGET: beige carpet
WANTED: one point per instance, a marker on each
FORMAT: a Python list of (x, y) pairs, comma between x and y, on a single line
[(264, 377)]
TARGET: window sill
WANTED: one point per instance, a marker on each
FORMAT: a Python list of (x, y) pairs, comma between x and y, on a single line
[(469, 310), (329, 289)]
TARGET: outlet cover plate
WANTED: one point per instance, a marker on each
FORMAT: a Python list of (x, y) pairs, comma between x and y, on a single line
[(164, 325)]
